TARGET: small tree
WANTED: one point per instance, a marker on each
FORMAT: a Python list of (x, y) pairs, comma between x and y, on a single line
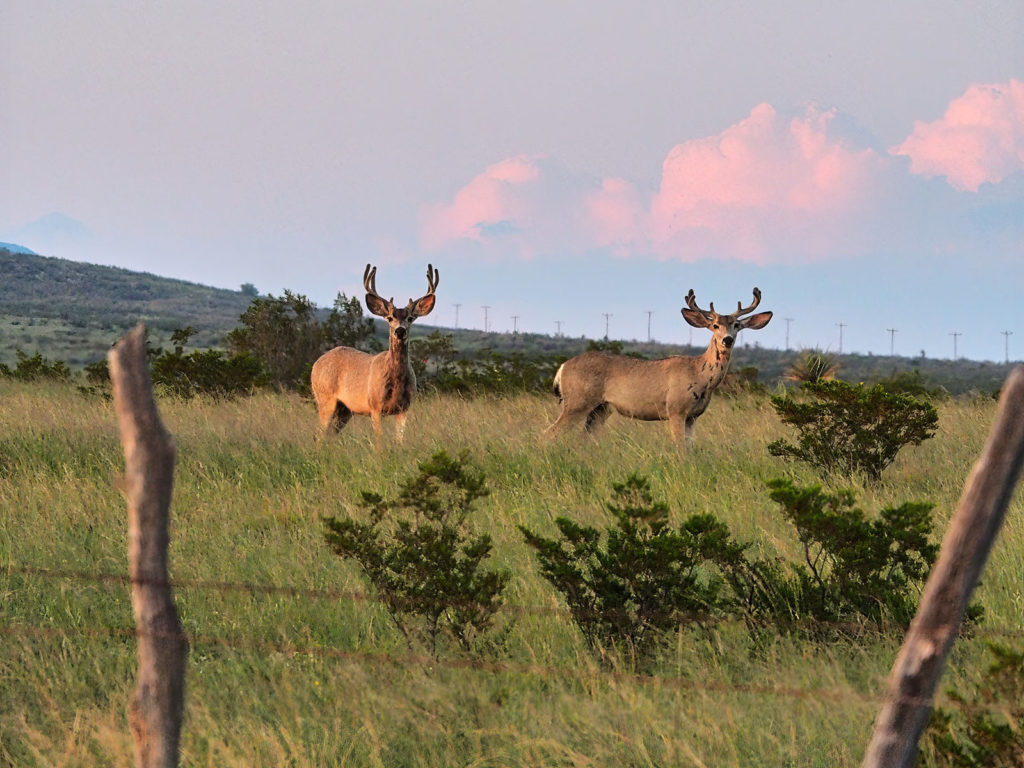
[(848, 429), (645, 578), (36, 367), (345, 326), (204, 372), (284, 334), (417, 553)]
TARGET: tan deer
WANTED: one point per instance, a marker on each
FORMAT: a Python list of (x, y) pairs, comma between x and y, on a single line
[(347, 380), (677, 389)]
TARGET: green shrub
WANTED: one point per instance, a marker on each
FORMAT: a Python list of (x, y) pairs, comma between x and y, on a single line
[(812, 365), (37, 368), (641, 577), (417, 553), (854, 569), (848, 429), (986, 728)]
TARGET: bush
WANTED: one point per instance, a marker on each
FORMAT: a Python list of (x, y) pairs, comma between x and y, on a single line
[(854, 568), (204, 372), (644, 579), (813, 365), (986, 730), (417, 553), (36, 368), (849, 429)]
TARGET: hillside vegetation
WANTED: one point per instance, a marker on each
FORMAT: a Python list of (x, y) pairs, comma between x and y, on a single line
[(73, 312)]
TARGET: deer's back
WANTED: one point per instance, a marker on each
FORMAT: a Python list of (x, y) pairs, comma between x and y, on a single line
[(644, 389), (342, 374)]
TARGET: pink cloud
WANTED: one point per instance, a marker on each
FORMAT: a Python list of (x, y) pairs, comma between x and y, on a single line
[(980, 138), (769, 188)]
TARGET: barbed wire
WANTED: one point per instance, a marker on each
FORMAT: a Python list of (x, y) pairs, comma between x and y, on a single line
[(552, 609)]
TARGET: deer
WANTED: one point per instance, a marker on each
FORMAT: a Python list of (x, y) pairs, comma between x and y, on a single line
[(677, 388), (349, 381)]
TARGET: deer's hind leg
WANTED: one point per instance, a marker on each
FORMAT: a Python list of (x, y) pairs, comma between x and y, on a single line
[(597, 417), (333, 413), (568, 417)]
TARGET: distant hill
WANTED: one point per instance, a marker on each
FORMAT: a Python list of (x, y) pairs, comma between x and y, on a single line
[(14, 248), (72, 311)]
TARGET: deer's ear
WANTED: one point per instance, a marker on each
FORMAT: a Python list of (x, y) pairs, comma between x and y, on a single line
[(377, 305), (760, 320), (696, 319), (424, 306)]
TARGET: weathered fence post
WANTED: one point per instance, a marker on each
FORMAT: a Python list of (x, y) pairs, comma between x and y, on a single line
[(158, 705), (973, 529)]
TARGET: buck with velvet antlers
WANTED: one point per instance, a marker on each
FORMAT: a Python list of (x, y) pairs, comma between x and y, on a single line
[(347, 380), (677, 389)]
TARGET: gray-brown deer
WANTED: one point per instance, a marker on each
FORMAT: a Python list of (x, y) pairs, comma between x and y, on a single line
[(677, 389), (347, 380)]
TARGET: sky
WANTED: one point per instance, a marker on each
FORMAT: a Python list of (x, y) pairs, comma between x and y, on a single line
[(575, 165)]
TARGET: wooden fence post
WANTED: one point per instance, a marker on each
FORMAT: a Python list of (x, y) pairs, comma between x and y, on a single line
[(158, 704), (973, 529)]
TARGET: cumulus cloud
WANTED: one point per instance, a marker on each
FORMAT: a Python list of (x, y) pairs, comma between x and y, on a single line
[(980, 138), (771, 188)]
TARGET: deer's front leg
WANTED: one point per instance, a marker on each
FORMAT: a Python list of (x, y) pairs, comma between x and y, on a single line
[(677, 426), (400, 426)]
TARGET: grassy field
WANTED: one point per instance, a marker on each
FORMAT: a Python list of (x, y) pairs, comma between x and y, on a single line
[(309, 676)]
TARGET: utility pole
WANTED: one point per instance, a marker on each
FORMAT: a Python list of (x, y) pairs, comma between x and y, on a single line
[(788, 321), (485, 307), (457, 316), (515, 324), (892, 340), (955, 334), (558, 325), (1006, 344), (841, 326), (606, 316), (649, 313)]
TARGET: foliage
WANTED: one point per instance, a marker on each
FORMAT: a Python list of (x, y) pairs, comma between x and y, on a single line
[(417, 553), (36, 368), (812, 365), (854, 568), (439, 366), (248, 289), (285, 334), (645, 578), (345, 326), (852, 429), (614, 347), (987, 728), (204, 372), (910, 384)]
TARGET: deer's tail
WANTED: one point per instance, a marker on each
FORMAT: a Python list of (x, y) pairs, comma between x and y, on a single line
[(557, 387)]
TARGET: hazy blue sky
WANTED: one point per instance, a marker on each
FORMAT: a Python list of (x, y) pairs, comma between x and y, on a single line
[(863, 163)]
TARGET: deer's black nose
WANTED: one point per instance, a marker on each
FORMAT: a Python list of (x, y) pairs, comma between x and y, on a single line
[(400, 332), (728, 341)]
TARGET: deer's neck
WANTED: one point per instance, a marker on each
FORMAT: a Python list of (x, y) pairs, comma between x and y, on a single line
[(715, 363), (398, 383)]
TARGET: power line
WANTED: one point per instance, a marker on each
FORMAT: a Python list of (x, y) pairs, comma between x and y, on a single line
[(1006, 341), (892, 340), (485, 307), (457, 316), (788, 321), (955, 335), (841, 326), (515, 324), (649, 313), (558, 325), (606, 316)]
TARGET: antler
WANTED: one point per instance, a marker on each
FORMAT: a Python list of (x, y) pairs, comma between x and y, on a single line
[(370, 284), (433, 278), (739, 304), (691, 302)]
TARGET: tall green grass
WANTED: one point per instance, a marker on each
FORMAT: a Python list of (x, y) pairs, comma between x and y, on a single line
[(314, 674)]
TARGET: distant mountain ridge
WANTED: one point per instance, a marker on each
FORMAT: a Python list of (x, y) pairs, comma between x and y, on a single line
[(74, 311), (15, 248)]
